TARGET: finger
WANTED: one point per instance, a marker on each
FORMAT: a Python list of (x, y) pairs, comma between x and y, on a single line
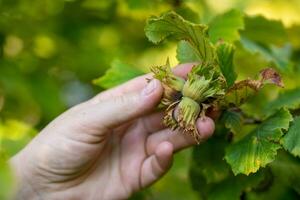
[(182, 70), (180, 140), (155, 166), (118, 110), (153, 122), (139, 82)]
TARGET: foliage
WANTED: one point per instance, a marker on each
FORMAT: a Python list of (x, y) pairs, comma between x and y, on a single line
[(247, 153), (113, 77), (51, 50)]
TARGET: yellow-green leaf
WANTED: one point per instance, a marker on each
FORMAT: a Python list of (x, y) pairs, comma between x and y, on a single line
[(260, 146)]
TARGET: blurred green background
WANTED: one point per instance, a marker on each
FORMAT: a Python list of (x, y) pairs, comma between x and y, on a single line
[(51, 50)]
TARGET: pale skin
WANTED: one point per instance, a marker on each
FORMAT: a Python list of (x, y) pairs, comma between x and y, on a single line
[(105, 148)]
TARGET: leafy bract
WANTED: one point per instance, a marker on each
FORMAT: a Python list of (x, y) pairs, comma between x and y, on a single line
[(226, 26), (260, 146), (291, 141), (288, 99), (171, 24), (225, 52), (171, 83), (117, 74)]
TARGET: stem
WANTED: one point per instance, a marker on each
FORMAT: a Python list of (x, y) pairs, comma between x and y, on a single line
[(252, 121), (247, 119)]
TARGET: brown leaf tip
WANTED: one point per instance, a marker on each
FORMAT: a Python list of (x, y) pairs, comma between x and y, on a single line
[(272, 76)]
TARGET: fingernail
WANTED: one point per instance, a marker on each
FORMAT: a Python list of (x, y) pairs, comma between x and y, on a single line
[(150, 88)]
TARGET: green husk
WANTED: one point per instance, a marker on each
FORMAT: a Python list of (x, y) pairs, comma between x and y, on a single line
[(171, 83), (210, 84), (188, 112)]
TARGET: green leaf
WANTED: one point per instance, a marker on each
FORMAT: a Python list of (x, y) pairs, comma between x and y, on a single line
[(293, 34), (172, 24), (284, 181), (175, 184), (260, 146), (225, 52), (186, 53), (291, 141), (264, 31), (207, 160), (117, 74), (288, 99), (280, 56), (286, 168), (274, 190), (233, 187), (226, 26), (207, 164), (233, 121)]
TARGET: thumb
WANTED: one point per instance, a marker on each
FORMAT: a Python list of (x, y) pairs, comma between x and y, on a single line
[(118, 110)]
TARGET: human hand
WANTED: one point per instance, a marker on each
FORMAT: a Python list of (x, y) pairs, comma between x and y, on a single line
[(105, 148)]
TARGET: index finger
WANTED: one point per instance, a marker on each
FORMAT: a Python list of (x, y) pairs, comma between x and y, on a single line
[(140, 82)]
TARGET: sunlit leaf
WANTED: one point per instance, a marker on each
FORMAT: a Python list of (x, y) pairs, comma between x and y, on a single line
[(171, 24), (117, 74), (259, 147), (226, 26)]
